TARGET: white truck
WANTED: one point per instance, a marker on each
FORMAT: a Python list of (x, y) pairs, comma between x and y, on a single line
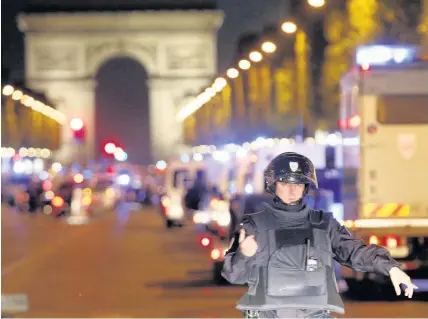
[(384, 109)]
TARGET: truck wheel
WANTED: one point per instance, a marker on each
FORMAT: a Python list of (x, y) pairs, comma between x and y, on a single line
[(169, 223), (217, 277)]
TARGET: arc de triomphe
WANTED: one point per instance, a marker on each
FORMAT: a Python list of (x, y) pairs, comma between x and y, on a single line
[(63, 52)]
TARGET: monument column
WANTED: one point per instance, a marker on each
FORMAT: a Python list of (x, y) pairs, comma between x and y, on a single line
[(164, 127)]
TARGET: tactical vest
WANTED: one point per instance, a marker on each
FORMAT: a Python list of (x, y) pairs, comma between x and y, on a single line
[(293, 267)]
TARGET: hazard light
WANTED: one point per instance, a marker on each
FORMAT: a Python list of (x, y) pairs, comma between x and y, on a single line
[(205, 241), (391, 241), (373, 240), (57, 201), (215, 254)]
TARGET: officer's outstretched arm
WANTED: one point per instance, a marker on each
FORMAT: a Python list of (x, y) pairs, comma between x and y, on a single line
[(237, 267), (355, 254)]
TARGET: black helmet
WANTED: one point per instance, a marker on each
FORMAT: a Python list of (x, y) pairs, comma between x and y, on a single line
[(290, 168)]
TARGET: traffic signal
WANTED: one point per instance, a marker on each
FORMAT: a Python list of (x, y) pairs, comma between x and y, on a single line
[(109, 148), (78, 128)]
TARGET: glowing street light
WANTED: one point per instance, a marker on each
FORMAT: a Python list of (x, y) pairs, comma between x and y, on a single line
[(289, 27), (256, 56), (269, 47), (244, 64), (232, 73), (316, 3)]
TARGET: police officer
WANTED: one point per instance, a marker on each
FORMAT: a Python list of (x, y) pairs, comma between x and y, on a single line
[(285, 252)]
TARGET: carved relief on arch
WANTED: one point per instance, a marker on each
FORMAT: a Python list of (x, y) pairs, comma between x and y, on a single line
[(98, 53), (187, 56), (56, 57)]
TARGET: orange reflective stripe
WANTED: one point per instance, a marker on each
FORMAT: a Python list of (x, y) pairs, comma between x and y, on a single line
[(386, 210)]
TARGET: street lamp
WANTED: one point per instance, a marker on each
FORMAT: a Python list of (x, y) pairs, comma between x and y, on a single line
[(244, 64), (269, 47), (316, 3), (232, 73), (289, 27), (255, 56)]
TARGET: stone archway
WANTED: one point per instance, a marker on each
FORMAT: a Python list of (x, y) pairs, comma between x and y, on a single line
[(63, 51)]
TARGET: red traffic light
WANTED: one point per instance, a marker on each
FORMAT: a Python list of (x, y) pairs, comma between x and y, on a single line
[(76, 124), (109, 147), (78, 128)]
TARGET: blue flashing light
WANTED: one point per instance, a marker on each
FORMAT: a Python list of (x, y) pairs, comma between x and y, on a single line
[(382, 55)]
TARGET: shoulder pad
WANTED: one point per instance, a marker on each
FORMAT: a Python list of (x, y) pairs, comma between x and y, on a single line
[(318, 217)]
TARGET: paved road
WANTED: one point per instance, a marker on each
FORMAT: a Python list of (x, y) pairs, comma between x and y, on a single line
[(125, 264)]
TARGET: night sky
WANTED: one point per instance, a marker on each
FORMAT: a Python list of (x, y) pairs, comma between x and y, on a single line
[(241, 16)]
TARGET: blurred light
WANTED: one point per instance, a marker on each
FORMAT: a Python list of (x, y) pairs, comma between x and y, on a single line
[(205, 241), (221, 156), (289, 27), (28, 166), (241, 152), (316, 3), (23, 152), (365, 67), (47, 185), (109, 148), (18, 167), (215, 254), (49, 195), (373, 240), (123, 179), (210, 92), (38, 165), (391, 242), (87, 174), (269, 47), (47, 209), (8, 90), (87, 191), (232, 73), (244, 64), (255, 56), (57, 201), (383, 55), (120, 155), (161, 165), (198, 157), (219, 84), (249, 189), (31, 152), (185, 158), (17, 95), (43, 175), (76, 124), (45, 153), (56, 167), (78, 178), (86, 200), (355, 121), (348, 223)]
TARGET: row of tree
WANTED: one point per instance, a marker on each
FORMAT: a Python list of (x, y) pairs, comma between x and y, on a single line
[(296, 89)]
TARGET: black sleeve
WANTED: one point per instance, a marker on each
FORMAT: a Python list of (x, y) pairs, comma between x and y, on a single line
[(237, 267), (355, 254)]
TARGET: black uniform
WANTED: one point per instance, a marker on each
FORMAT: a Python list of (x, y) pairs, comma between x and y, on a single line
[(291, 274)]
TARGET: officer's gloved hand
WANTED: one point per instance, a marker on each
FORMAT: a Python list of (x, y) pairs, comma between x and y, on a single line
[(247, 245), (400, 277)]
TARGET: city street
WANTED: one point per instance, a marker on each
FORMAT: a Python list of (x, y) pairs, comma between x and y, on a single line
[(125, 264)]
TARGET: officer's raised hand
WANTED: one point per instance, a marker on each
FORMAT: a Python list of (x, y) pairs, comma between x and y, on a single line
[(400, 277), (247, 245)]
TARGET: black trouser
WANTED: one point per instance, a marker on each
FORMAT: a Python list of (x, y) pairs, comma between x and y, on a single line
[(288, 313)]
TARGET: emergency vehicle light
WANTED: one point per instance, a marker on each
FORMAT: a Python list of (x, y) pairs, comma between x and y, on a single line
[(378, 55)]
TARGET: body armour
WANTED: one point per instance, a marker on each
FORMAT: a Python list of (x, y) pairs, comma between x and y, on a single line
[(293, 266)]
